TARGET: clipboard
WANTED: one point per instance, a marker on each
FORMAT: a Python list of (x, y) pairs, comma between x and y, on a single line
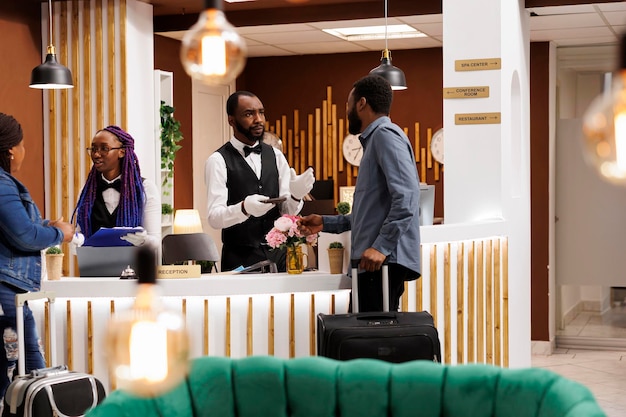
[(106, 236)]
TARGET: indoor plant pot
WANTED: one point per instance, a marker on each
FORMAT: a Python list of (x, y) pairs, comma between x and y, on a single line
[(54, 263), (335, 257)]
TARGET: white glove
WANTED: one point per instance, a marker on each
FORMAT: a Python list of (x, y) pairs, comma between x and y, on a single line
[(300, 185), (254, 206), (137, 238), (76, 242)]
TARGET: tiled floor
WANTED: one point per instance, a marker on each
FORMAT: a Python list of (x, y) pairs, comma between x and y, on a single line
[(602, 365)]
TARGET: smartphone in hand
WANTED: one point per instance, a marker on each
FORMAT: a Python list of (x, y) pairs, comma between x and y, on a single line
[(275, 200)]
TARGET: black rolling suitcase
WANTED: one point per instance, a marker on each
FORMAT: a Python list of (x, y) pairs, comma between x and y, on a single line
[(54, 391), (389, 336)]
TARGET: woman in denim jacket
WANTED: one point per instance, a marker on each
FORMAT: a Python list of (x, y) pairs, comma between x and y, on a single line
[(23, 235)]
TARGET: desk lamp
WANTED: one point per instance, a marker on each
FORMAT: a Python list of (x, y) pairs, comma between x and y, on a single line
[(188, 243)]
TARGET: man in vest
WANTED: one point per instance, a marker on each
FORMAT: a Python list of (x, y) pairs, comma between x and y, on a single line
[(241, 177)]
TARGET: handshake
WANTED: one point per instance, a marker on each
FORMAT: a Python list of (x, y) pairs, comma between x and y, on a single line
[(299, 185)]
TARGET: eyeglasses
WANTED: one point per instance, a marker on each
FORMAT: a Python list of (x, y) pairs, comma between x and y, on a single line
[(103, 151)]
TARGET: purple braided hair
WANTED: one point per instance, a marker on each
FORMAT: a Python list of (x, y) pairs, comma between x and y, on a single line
[(131, 205)]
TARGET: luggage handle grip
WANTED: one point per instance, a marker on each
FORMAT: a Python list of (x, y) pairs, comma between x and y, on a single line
[(376, 315), (355, 284), (54, 370)]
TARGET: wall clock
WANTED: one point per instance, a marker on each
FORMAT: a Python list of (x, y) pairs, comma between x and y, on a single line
[(352, 150), (436, 146)]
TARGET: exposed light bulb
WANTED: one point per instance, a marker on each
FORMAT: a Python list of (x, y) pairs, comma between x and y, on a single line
[(147, 346), (212, 51), (604, 131)]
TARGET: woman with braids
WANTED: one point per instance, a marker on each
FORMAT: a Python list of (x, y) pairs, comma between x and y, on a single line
[(23, 235), (114, 194)]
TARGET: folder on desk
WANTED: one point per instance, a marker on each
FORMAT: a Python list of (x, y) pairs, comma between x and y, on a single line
[(108, 237)]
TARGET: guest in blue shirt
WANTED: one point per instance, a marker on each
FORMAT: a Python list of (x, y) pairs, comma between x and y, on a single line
[(385, 210), (23, 235)]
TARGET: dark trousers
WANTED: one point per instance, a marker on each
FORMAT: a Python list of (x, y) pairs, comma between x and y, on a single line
[(371, 288), (234, 256)]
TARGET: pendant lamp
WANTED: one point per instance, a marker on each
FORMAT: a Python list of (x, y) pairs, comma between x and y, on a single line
[(51, 74), (394, 75), (212, 51), (604, 126)]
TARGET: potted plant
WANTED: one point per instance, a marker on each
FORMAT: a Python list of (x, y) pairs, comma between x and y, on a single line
[(170, 136), (335, 257), (54, 263), (166, 213), (343, 207)]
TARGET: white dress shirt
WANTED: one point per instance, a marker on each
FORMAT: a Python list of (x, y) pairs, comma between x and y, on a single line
[(151, 208), (222, 215)]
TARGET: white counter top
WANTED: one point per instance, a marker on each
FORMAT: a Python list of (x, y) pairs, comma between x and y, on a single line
[(208, 284)]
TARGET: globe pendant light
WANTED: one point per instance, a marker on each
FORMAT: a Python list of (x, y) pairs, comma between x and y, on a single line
[(51, 74), (604, 127), (212, 51), (394, 75)]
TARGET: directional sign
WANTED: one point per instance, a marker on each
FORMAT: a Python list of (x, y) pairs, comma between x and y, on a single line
[(477, 118), (466, 92), (477, 64)]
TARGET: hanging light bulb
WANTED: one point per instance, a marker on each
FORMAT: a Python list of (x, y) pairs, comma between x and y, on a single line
[(51, 74), (147, 346), (604, 127), (394, 75), (212, 51)]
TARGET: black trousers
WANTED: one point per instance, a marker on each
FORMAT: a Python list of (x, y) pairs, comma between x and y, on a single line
[(371, 288), (234, 256)]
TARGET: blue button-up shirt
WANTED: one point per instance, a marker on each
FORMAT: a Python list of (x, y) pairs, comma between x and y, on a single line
[(385, 208)]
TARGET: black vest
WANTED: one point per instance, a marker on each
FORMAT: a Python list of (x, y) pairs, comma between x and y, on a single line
[(241, 182), (100, 216)]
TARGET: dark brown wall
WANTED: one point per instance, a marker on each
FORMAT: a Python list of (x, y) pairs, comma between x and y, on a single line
[(299, 82), (540, 193), (21, 51), (166, 59)]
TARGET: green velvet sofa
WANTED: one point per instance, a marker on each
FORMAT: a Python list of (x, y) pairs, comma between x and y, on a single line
[(263, 386)]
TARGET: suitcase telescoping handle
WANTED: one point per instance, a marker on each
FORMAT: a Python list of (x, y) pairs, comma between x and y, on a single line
[(20, 299), (355, 285)]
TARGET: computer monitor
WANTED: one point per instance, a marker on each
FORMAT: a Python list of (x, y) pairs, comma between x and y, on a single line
[(105, 261), (427, 204)]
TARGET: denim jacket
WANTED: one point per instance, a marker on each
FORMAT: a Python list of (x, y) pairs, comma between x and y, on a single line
[(23, 234)]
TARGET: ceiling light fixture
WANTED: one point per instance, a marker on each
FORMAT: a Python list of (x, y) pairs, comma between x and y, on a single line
[(212, 51), (604, 126), (371, 33), (394, 75), (51, 74)]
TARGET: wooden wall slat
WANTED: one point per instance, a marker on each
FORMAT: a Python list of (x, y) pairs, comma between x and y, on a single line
[(111, 64)]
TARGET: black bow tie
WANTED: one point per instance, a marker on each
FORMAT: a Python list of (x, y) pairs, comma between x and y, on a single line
[(248, 149), (115, 185)]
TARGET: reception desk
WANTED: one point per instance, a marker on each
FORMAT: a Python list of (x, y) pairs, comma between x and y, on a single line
[(227, 315), (464, 285)]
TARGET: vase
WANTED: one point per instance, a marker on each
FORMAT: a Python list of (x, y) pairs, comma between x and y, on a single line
[(335, 260), (295, 259), (54, 266)]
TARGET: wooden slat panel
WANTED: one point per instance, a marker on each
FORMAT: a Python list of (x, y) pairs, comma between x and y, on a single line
[(111, 67), (312, 323), (460, 303), (122, 86), (249, 328), (416, 147), (489, 302), (227, 335), (480, 304), (497, 311), (505, 302), (471, 303), (69, 335), (205, 339), (90, 348), (319, 174), (433, 282), (99, 55), (292, 327), (270, 328), (447, 309)]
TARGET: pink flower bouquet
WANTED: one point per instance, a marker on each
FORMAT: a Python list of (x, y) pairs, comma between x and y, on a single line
[(285, 233)]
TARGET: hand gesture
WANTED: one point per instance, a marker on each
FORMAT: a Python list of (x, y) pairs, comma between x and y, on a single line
[(254, 205), (310, 224), (300, 185)]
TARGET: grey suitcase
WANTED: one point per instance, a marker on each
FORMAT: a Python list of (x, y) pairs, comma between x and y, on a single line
[(53, 391)]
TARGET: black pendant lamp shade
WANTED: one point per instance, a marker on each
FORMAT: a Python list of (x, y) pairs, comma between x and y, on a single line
[(51, 74), (394, 75)]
